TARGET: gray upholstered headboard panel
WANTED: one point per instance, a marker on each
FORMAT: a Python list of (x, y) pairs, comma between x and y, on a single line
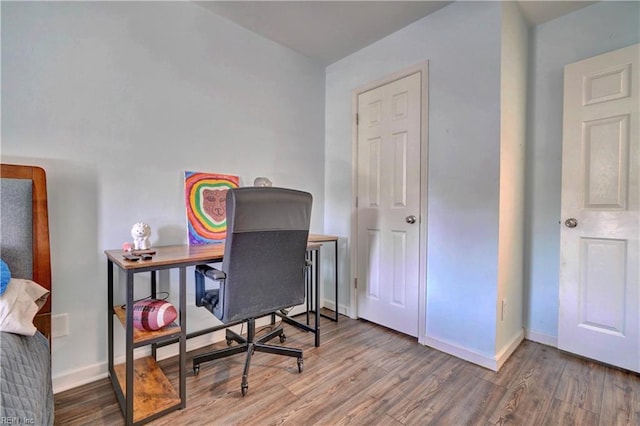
[(16, 227)]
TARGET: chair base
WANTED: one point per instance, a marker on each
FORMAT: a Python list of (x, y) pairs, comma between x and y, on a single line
[(249, 345)]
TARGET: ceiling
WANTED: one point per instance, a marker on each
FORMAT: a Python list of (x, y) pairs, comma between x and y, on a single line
[(330, 30)]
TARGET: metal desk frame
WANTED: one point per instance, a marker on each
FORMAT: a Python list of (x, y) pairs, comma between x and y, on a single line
[(169, 257), (181, 257), (317, 238)]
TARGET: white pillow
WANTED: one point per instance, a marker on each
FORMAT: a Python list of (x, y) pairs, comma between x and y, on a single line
[(19, 304)]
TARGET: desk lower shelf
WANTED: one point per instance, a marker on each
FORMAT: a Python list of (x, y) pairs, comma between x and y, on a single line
[(152, 391), (143, 335)]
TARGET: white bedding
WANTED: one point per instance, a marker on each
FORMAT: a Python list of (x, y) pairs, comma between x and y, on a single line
[(19, 304)]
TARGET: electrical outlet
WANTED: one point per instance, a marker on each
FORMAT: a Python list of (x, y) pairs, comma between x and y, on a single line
[(59, 325), (504, 309)]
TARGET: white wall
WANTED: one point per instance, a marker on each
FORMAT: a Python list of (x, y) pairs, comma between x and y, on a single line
[(116, 100), (513, 115), (587, 32), (462, 44)]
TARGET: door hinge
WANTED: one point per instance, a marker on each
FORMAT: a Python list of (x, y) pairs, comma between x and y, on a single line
[(357, 119), (356, 202), (355, 283)]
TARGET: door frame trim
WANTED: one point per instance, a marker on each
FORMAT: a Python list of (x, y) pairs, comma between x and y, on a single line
[(423, 69)]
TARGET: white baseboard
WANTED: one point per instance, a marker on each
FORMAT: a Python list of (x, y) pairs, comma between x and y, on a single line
[(542, 338), (329, 304), (81, 376), (503, 355), (492, 362), (483, 360)]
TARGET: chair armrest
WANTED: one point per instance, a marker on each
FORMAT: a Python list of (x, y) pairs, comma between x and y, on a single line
[(211, 272), (203, 271)]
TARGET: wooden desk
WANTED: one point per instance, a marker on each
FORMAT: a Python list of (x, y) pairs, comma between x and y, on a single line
[(143, 407), (154, 395)]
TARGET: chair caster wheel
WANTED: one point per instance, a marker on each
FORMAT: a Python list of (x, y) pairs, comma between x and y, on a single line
[(244, 388), (196, 370), (300, 365), (283, 338)]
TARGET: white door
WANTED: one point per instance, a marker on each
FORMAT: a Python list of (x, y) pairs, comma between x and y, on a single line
[(599, 275), (388, 204)]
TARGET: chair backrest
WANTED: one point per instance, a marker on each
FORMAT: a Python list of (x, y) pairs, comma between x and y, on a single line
[(264, 259)]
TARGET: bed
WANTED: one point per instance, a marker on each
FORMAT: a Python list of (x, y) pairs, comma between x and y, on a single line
[(26, 395)]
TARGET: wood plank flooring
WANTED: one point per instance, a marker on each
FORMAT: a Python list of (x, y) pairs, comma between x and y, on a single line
[(364, 374)]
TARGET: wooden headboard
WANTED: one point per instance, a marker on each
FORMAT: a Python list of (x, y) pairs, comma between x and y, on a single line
[(41, 272)]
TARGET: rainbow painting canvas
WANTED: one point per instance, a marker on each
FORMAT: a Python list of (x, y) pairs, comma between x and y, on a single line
[(205, 196)]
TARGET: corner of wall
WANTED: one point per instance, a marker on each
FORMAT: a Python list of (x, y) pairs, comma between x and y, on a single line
[(513, 119)]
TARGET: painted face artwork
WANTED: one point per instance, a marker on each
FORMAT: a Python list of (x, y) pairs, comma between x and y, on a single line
[(205, 198), (214, 203)]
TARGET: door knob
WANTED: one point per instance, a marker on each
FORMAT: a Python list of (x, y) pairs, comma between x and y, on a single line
[(411, 219), (572, 222)]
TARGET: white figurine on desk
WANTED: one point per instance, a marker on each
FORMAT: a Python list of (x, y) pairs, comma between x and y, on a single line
[(141, 233)]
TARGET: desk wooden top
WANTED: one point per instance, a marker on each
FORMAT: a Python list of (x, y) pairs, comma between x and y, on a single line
[(318, 238), (170, 256), (185, 255)]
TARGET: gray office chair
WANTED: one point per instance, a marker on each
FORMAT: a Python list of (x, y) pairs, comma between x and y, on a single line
[(262, 270)]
